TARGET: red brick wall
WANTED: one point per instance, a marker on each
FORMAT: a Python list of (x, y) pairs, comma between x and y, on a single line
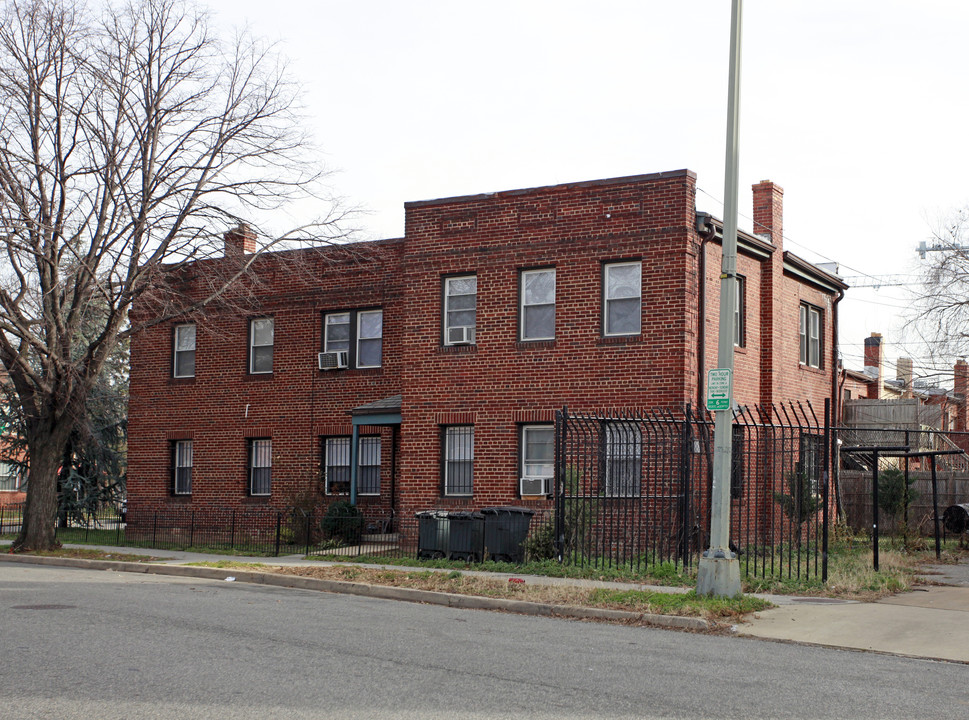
[(497, 384)]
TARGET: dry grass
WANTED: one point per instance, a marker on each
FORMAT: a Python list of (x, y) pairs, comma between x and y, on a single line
[(456, 582), (92, 554)]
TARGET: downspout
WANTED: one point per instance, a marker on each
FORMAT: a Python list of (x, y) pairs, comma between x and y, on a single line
[(707, 232)]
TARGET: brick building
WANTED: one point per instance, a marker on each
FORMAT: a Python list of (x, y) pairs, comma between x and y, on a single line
[(425, 371)]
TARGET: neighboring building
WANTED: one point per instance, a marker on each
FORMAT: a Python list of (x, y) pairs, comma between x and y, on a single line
[(446, 353), (12, 476)]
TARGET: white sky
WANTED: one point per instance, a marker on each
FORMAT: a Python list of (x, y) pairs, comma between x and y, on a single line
[(857, 108)]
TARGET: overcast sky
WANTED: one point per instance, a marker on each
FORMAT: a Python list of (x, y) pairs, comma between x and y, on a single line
[(856, 108)]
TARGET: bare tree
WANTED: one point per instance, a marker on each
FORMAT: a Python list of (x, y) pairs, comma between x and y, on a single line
[(128, 143), (941, 308)]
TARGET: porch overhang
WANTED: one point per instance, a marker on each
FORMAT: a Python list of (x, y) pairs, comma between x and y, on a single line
[(380, 412)]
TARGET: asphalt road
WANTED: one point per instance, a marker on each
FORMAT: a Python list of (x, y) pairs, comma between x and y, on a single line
[(94, 644)]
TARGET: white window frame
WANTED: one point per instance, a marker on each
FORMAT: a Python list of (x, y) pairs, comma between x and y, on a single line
[(451, 463), (368, 456), (740, 311), (524, 304), (607, 299), (9, 473), (360, 315), (253, 345), (182, 461), (447, 304), (624, 449), (265, 458), (810, 335), (330, 447), (529, 466), (336, 345), (176, 351)]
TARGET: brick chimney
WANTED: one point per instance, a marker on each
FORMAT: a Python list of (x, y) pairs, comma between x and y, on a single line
[(961, 388), (769, 211), (240, 241), (905, 375), (873, 364)]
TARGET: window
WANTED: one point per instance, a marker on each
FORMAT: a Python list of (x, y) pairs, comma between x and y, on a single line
[(336, 466), (624, 459), (538, 459), (622, 299), (458, 460), (261, 345), (368, 466), (537, 294), (336, 332), (357, 332), (737, 452), (460, 301), (260, 466), (184, 363), (182, 467), (811, 460), (369, 338), (810, 336), (740, 312), (9, 477)]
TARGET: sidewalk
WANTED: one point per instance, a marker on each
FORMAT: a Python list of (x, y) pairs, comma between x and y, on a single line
[(931, 622)]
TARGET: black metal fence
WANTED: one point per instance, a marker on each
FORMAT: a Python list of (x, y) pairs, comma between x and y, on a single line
[(634, 489)]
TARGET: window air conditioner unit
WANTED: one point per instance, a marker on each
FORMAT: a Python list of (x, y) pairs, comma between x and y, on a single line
[(533, 486), (334, 360), (461, 335)]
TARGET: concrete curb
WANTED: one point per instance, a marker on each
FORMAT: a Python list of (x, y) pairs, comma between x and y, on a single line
[(383, 592)]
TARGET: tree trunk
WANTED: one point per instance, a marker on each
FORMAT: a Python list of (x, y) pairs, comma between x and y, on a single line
[(46, 454)]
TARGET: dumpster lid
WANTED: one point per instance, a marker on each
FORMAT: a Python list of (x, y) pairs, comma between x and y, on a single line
[(463, 515), (507, 509), (432, 513)]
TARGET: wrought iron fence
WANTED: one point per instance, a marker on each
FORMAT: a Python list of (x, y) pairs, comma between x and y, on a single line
[(634, 489)]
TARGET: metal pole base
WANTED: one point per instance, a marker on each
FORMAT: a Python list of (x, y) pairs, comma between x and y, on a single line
[(718, 576)]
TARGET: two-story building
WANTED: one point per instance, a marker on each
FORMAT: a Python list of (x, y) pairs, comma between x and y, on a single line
[(425, 371)]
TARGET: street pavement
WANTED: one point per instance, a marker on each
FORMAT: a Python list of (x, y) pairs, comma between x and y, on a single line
[(930, 622)]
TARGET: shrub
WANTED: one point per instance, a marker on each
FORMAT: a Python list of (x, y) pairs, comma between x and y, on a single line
[(344, 521)]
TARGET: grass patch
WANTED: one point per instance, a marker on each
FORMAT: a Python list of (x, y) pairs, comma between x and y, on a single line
[(457, 582), (91, 554)]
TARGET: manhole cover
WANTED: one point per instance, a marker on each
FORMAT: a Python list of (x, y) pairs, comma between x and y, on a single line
[(43, 607)]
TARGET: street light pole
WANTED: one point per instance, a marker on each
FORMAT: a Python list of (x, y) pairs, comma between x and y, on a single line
[(719, 570)]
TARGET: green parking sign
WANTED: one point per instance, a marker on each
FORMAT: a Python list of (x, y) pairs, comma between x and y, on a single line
[(719, 389)]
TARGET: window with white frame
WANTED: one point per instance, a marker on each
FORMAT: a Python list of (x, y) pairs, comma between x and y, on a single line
[(368, 466), (459, 460), (537, 292), (623, 459), (183, 364), (336, 465), (370, 325), (740, 312), (261, 334), (9, 477), (182, 467), (260, 466), (810, 335), (359, 333), (538, 459), (811, 460), (622, 298), (336, 332), (460, 304)]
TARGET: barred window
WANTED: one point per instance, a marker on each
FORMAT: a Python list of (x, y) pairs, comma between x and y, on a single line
[(459, 460), (368, 466), (624, 459), (260, 466), (182, 467)]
